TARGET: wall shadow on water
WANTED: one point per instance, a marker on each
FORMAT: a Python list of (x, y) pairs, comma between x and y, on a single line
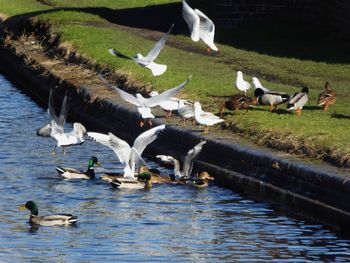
[(292, 40)]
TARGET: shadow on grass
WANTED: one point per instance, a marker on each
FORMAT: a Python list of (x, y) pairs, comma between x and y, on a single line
[(292, 40), (340, 116)]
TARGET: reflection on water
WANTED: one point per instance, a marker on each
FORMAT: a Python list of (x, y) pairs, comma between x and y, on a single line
[(166, 223)]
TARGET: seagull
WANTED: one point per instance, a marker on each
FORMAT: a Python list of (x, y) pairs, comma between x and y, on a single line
[(200, 25), (257, 84), (298, 101), (186, 171), (128, 156), (56, 126), (186, 111), (205, 118), (241, 84), (148, 60), (144, 105), (168, 105)]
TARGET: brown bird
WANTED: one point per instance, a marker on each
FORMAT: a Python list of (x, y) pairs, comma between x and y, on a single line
[(327, 97), (238, 102)]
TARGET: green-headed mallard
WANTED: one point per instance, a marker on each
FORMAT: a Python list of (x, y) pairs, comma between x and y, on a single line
[(238, 102), (271, 98), (298, 101), (327, 97), (142, 182), (70, 173), (48, 220)]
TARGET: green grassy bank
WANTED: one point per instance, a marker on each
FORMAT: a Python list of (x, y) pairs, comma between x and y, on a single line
[(283, 58)]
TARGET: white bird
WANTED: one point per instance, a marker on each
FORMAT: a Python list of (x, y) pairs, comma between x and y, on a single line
[(257, 84), (130, 157), (169, 105), (56, 127), (200, 25), (241, 84), (205, 118), (186, 111), (187, 164), (148, 60), (144, 105)]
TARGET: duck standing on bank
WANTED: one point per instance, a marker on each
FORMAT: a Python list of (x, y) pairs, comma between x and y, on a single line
[(200, 26), (270, 98), (237, 102), (148, 60), (48, 220), (205, 118), (241, 84), (298, 101), (71, 173), (327, 97)]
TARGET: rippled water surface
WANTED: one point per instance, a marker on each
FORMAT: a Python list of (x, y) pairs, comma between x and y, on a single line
[(164, 224)]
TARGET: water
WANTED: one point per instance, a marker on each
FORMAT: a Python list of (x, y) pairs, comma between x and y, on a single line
[(165, 224)]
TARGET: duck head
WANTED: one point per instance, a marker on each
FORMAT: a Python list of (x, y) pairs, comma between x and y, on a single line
[(205, 176), (258, 92), (305, 90), (31, 206)]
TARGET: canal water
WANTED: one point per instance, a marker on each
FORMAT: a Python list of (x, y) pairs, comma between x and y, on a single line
[(165, 224)]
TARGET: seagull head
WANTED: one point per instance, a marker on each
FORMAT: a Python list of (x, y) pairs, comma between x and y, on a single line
[(239, 73)]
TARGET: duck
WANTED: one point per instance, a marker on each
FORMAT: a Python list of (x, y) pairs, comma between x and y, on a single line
[(205, 118), (200, 181), (241, 84), (298, 101), (200, 25), (237, 102), (129, 156), (187, 166), (271, 98), (47, 220), (148, 60), (327, 97), (156, 178), (143, 181), (71, 173)]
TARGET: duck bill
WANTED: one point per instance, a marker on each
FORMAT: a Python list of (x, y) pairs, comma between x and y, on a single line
[(22, 207)]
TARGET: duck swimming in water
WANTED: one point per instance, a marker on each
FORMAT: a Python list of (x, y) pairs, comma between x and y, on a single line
[(71, 173)]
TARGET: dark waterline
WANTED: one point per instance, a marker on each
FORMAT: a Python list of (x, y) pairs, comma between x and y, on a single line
[(166, 223)]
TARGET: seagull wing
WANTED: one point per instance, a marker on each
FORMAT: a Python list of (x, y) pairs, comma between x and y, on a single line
[(206, 29), (191, 155), (192, 20), (152, 55), (64, 110), (146, 138), (128, 97), (166, 95), (121, 148), (51, 109)]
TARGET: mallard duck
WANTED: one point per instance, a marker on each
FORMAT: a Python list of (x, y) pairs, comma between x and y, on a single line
[(156, 178), (238, 102), (128, 156), (48, 220), (241, 84), (200, 181), (298, 101), (142, 182), (271, 98), (205, 118), (327, 97), (71, 173)]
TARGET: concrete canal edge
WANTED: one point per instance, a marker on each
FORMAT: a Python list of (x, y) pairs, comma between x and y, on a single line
[(294, 186)]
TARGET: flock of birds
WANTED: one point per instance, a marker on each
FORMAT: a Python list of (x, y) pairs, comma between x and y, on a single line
[(136, 173)]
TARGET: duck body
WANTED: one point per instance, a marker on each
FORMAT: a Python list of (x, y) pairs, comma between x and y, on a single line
[(271, 98), (238, 102), (141, 182), (71, 173), (327, 97), (298, 101), (48, 220)]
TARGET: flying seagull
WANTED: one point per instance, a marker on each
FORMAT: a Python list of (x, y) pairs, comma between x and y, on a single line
[(200, 25), (148, 60)]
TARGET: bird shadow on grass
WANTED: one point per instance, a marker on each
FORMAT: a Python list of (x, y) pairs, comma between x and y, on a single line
[(340, 116)]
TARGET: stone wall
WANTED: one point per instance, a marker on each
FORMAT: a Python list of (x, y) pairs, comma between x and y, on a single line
[(232, 13)]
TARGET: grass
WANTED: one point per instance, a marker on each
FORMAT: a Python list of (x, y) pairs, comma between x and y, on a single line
[(280, 62)]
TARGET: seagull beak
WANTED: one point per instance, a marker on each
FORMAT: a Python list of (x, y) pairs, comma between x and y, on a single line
[(22, 207)]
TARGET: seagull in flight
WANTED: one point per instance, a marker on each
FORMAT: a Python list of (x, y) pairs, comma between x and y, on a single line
[(129, 156), (144, 105), (200, 25), (148, 60)]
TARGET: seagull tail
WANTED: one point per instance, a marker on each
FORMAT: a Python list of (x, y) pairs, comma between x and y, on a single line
[(157, 69)]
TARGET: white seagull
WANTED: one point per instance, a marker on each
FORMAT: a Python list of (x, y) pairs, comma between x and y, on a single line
[(187, 164), (185, 110), (257, 84), (130, 157), (241, 84), (200, 25), (144, 105), (205, 118), (148, 60)]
